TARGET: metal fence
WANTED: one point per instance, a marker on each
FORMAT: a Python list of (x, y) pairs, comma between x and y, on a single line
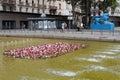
[(52, 31)]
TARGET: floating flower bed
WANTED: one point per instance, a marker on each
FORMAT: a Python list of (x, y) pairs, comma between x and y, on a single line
[(43, 51)]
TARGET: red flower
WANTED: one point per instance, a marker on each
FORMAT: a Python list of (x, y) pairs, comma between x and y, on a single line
[(43, 51)]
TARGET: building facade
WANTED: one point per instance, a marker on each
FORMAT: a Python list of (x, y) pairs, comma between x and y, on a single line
[(14, 13), (115, 14)]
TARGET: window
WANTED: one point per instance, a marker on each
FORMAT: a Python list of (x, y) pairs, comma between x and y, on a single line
[(26, 1), (26, 9), (38, 10), (20, 9), (4, 8), (32, 10), (8, 24), (32, 1), (38, 1), (59, 6), (11, 8), (59, 13)]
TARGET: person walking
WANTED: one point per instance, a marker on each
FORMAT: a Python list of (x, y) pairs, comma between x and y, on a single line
[(64, 25)]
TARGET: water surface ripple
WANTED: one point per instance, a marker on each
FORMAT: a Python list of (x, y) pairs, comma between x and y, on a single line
[(99, 61)]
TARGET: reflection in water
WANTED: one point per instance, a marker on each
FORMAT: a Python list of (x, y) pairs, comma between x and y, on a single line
[(28, 78), (66, 73), (116, 46), (104, 56), (115, 50), (95, 67), (24, 78), (89, 59), (101, 68), (61, 73), (108, 52)]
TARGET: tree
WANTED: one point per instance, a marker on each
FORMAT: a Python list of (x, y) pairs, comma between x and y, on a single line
[(108, 3), (73, 3), (103, 5), (85, 6)]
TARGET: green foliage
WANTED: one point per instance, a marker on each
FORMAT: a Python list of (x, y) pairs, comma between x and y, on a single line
[(108, 3), (85, 6), (87, 3), (72, 2)]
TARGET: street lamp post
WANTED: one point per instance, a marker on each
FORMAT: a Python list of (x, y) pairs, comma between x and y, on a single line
[(69, 19), (86, 22), (43, 10)]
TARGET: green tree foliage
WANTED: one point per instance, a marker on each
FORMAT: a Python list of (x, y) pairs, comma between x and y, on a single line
[(85, 6), (108, 3)]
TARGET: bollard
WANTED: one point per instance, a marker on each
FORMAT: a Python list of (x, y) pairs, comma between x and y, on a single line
[(113, 33), (91, 32), (101, 32)]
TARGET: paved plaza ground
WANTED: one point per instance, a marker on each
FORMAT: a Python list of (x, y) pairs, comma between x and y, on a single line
[(85, 34)]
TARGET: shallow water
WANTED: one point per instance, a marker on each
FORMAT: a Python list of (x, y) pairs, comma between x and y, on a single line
[(99, 61)]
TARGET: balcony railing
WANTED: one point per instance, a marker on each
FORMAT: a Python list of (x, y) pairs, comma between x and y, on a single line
[(53, 7), (33, 5), (4, 1), (20, 4), (27, 4), (41, 6), (12, 1), (8, 1)]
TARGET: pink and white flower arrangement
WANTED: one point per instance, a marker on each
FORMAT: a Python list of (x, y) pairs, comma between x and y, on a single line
[(43, 51)]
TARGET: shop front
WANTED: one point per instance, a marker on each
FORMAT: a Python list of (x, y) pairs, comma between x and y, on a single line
[(42, 23)]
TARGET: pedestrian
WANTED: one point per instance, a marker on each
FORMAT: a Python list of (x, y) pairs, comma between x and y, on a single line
[(64, 26), (81, 26), (23, 26)]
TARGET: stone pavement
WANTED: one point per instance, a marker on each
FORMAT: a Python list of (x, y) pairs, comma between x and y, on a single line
[(68, 34)]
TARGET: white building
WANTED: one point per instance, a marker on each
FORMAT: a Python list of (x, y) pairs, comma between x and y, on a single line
[(13, 13), (115, 14), (57, 7)]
